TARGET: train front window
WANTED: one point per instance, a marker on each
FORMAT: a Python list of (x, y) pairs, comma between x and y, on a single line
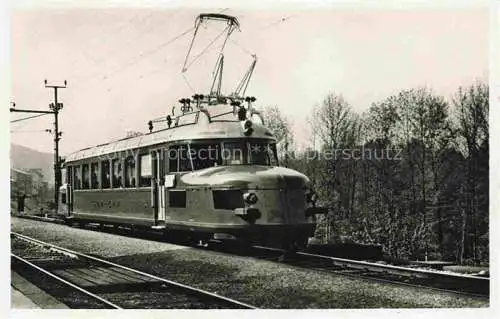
[(178, 158), (234, 153), (262, 153), (205, 155), (250, 152)]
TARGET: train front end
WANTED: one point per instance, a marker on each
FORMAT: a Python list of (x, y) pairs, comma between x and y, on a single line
[(273, 205), (252, 198)]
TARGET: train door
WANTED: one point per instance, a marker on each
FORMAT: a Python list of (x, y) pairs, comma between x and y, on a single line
[(65, 200), (65, 205), (69, 198), (158, 188)]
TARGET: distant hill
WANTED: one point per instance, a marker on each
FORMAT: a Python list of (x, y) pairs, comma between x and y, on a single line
[(22, 157)]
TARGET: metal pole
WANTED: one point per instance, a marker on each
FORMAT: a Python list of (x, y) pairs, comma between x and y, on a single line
[(57, 163), (57, 168)]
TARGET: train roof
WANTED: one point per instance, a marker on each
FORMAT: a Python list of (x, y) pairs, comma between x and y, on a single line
[(196, 125)]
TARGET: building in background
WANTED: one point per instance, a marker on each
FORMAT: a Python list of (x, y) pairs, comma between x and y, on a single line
[(21, 182), (30, 184)]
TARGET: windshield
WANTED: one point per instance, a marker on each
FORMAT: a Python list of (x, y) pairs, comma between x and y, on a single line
[(250, 152)]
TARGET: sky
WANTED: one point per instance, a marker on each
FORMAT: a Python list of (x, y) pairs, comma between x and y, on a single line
[(123, 67)]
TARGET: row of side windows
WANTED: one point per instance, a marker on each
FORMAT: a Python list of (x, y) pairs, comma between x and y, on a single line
[(184, 157), (134, 171), (115, 173)]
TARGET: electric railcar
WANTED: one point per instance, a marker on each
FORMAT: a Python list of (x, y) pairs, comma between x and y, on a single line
[(211, 174)]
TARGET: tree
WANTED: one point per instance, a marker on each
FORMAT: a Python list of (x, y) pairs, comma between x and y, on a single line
[(337, 129), (432, 197), (472, 108), (281, 127)]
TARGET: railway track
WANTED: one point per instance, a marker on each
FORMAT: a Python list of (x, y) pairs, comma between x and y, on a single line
[(97, 283), (448, 282), (431, 279)]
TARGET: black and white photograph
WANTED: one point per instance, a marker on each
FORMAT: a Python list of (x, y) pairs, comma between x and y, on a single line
[(261, 155)]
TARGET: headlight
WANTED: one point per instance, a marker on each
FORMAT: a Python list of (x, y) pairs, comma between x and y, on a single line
[(250, 198)]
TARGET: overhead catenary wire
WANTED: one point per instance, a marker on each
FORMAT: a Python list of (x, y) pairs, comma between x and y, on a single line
[(98, 61), (139, 57), (142, 55), (276, 22), (148, 29), (157, 70), (272, 24), (205, 49), (28, 117), (104, 39), (146, 53), (188, 84)]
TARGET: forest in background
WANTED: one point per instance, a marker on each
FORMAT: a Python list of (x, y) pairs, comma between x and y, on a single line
[(410, 174)]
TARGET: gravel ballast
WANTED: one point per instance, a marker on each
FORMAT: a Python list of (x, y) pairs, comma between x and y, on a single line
[(265, 284)]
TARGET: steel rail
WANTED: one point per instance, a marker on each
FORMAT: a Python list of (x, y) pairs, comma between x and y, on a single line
[(394, 269), (481, 282), (88, 293), (368, 265), (169, 282)]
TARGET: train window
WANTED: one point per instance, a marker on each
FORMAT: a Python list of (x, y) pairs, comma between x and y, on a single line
[(178, 158), (145, 170), (177, 199), (262, 153), (85, 176), (130, 171), (172, 156), (184, 160), (233, 153), (205, 155), (77, 176), (105, 174), (117, 173), (94, 171)]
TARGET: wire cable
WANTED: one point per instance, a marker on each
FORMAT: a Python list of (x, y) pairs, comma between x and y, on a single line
[(113, 31), (188, 84), (205, 49), (146, 53), (276, 22), (140, 34), (29, 117)]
